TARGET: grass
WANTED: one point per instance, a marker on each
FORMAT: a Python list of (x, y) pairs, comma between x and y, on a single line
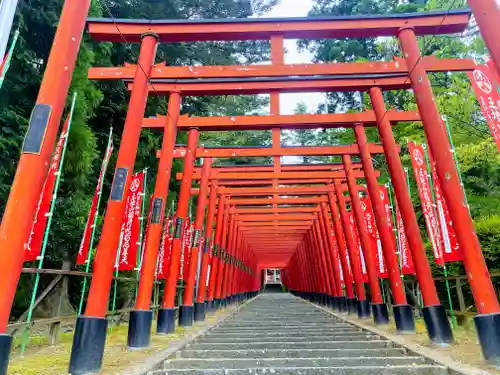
[(40, 359)]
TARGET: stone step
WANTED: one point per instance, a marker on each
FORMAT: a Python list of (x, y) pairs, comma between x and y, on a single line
[(283, 331), (245, 363), (295, 325), (354, 370), (294, 345), (280, 322), (290, 333), (281, 334), (292, 353), (270, 338)]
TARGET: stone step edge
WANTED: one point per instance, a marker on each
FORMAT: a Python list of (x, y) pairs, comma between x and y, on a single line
[(189, 350), (330, 368), (297, 342), (174, 360)]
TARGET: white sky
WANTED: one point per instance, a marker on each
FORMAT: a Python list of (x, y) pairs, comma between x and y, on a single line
[(288, 102)]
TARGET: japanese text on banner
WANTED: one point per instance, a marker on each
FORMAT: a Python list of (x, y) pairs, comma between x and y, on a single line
[(34, 244), (486, 89), (424, 190), (131, 224)]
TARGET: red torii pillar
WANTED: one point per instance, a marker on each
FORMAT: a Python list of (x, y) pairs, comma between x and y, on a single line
[(215, 260), (487, 14), (380, 312), (353, 255), (488, 320), (166, 314), (403, 313), (332, 253), (315, 267), (232, 263), (200, 306), (222, 256), (139, 329), (323, 264), (186, 311), (344, 262), (227, 256), (435, 317), (333, 243), (91, 328)]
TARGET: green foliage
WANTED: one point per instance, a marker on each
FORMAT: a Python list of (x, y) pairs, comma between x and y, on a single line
[(488, 232), (101, 105)]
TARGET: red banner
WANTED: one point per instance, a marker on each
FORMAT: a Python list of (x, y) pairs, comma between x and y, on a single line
[(347, 257), (337, 251), (131, 225), (407, 266), (357, 243), (496, 75), (371, 228), (488, 95), (145, 232), (384, 196), (451, 250), (165, 250), (186, 252), (83, 251), (33, 246), (424, 190)]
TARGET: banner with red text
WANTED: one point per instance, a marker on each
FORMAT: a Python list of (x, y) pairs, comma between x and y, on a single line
[(145, 232), (131, 225), (347, 257), (424, 190), (451, 250), (33, 246), (407, 265), (384, 197), (337, 251), (485, 86), (84, 248), (371, 228), (186, 249), (357, 243), (165, 250), (496, 74)]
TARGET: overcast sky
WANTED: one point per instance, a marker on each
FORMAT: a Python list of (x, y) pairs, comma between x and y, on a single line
[(296, 8)]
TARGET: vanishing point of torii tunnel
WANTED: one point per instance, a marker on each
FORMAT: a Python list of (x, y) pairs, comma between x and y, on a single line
[(302, 219)]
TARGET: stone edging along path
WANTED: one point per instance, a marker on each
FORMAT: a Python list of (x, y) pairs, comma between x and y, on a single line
[(154, 362)]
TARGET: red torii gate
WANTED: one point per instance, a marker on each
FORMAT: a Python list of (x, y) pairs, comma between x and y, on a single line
[(36, 153)]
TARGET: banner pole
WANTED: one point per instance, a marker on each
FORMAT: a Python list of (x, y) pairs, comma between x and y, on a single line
[(94, 224), (395, 227), (448, 291), (141, 231), (49, 214), (8, 59), (382, 289), (115, 281), (453, 152)]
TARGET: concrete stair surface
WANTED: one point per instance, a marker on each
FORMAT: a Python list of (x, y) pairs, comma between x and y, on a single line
[(281, 334)]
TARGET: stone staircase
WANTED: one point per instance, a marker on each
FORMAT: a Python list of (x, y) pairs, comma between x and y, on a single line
[(281, 334)]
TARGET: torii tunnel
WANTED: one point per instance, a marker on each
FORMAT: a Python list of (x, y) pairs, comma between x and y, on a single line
[(300, 218)]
